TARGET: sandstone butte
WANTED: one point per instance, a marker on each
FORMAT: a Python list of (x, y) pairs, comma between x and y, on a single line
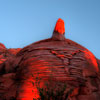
[(53, 60)]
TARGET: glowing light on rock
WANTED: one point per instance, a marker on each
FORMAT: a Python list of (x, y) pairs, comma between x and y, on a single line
[(60, 27)]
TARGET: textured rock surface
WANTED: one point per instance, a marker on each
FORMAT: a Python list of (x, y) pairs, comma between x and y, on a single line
[(56, 57)]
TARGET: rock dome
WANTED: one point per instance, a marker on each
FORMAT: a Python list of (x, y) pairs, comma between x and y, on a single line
[(59, 59)]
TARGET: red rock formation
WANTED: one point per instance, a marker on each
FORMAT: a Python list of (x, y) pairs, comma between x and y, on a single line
[(7, 72), (14, 51), (58, 59), (60, 27)]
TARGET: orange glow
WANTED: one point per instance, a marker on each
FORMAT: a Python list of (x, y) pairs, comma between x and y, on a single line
[(2, 59), (75, 92), (28, 91), (91, 58), (60, 27), (14, 51)]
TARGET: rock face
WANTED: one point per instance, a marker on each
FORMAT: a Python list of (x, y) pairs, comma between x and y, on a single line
[(56, 58)]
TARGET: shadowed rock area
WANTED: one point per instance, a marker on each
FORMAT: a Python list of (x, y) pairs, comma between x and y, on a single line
[(55, 61)]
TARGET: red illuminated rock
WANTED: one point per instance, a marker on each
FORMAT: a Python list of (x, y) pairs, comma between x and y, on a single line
[(58, 59), (59, 30), (7, 58), (60, 27), (14, 51), (2, 45)]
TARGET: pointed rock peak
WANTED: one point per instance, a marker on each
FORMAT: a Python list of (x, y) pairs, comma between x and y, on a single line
[(60, 26), (59, 30)]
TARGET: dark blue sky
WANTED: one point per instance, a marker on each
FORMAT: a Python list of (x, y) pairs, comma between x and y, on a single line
[(25, 21)]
